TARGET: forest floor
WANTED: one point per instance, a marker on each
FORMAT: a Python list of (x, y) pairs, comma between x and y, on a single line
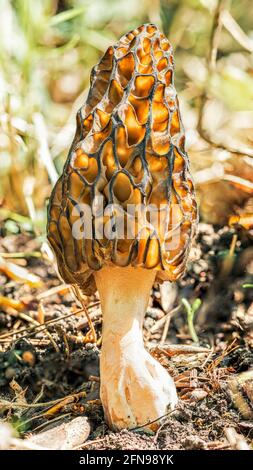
[(49, 373)]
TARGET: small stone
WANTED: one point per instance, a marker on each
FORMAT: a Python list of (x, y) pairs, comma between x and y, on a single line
[(195, 395), (155, 313), (10, 373), (193, 443)]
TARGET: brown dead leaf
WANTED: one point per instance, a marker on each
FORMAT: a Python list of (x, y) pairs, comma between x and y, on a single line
[(19, 391), (224, 192)]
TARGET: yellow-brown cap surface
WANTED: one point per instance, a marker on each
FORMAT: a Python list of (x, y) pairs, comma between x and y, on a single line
[(129, 151)]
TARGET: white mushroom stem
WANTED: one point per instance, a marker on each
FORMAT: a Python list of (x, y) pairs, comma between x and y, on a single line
[(135, 389)]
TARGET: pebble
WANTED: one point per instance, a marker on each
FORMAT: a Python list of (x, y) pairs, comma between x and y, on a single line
[(155, 313), (10, 373)]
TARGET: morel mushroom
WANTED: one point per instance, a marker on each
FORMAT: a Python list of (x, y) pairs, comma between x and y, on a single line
[(129, 151)]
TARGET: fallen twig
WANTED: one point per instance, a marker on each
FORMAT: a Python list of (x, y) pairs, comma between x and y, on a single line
[(163, 320)]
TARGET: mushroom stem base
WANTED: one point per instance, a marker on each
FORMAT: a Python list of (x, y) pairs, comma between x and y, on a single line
[(135, 389)]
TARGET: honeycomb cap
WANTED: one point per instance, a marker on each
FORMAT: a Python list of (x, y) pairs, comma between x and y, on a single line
[(128, 151)]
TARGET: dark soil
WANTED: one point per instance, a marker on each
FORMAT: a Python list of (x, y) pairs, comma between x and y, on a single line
[(39, 365)]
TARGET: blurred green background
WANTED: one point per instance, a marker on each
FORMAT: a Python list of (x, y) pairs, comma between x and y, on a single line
[(47, 50)]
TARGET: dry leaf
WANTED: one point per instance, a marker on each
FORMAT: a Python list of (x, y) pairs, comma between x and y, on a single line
[(243, 220), (19, 274), (66, 436), (6, 302)]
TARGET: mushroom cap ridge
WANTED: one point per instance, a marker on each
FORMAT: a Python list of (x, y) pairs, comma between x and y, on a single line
[(128, 151)]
